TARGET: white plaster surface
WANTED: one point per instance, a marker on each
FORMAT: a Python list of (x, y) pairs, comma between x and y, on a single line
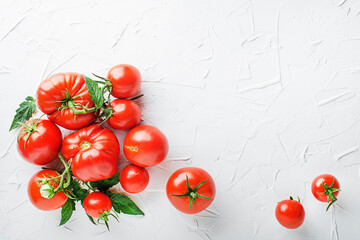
[(263, 94)]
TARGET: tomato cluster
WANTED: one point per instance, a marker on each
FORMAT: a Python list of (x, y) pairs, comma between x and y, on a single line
[(90, 153)]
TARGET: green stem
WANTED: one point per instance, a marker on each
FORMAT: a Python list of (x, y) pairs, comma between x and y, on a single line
[(84, 110), (134, 98)]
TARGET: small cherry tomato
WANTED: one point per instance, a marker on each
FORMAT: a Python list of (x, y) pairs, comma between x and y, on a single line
[(96, 203), (125, 80), (35, 196), (134, 179), (290, 213), (39, 141), (145, 146), (325, 188), (126, 114), (190, 190)]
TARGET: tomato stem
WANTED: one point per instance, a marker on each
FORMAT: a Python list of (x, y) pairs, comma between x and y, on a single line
[(329, 191)]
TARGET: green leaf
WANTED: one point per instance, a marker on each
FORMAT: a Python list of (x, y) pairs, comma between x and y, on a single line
[(79, 192), (91, 219), (24, 112), (95, 92), (67, 210), (103, 185), (122, 203)]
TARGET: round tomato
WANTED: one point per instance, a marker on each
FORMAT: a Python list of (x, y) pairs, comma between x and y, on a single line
[(35, 197), (190, 190), (134, 179), (126, 114), (290, 213), (96, 203), (325, 188), (94, 152), (145, 146), (125, 80), (62, 93), (39, 142)]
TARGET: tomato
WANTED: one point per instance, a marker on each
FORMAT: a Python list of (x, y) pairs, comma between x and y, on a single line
[(125, 80), (190, 190), (325, 188), (96, 203), (39, 141), (134, 179), (290, 213), (57, 95), (145, 146), (94, 152), (126, 114), (39, 201)]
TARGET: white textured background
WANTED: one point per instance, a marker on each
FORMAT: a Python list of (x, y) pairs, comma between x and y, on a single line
[(263, 94)]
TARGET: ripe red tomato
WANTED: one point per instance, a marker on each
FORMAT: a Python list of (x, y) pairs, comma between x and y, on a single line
[(190, 190), (43, 141), (145, 146), (290, 213), (126, 114), (96, 203), (94, 152), (134, 179), (125, 79), (325, 188), (35, 197), (58, 93)]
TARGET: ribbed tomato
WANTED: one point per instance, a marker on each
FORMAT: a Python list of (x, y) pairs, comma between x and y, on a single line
[(62, 94), (94, 152)]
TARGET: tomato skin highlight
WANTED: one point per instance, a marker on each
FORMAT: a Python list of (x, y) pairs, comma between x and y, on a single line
[(317, 186), (290, 214), (134, 179), (145, 146), (34, 192), (96, 203), (53, 89), (94, 151), (176, 185), (125, 79), (126, 114), (43, 145)]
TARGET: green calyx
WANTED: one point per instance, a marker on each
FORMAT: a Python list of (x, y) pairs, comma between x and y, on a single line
[(28, 130), (74, 105), (85, 145), (105, 217), (63, 180), (192, 192), (329, 191)]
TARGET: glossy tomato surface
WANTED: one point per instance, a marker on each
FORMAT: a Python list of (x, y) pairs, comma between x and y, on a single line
[(145, 146), (34, 192), (42, 145), (317, 186), (52, 91), (134, 179), (126, 114), (177, 185), (96, 203), (290, 213), (94, 152), (125, 79)]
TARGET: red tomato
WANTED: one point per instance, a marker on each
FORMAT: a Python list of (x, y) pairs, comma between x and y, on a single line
[(125, 79), (290, 213), (325, 188), (96, 203), (51, 96), (134, 179), (94, 152), (43, 141), (126, 114), (190, 190), (37, 200), (145, 146)]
